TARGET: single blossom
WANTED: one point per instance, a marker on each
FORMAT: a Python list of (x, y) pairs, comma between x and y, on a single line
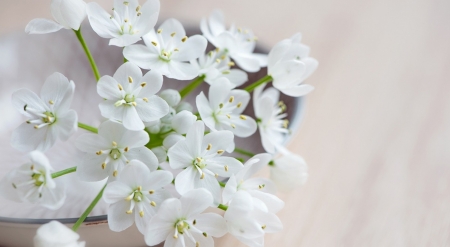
[(130, 97), (135, 196), (201, 155), (68, 14), (109, 151), (168, 51), (180, 222), (262, 190), (32, 183), (55, 234), (49, 116), (289, 65), (247, 223), (213, 66), (237, 43), (128, 22), (224, 109), (271, 115), (289, 171)]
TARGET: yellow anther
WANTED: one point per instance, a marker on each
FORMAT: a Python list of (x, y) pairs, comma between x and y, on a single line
[(217, 49), (159, 31), (114, 144), (218, 61), (184, 39), (125, 3), (246, 31), (134, 103), (194, 222), (139, 188), (99, 152), (143, 84), (115, 173), (226, 72), (126, 149), (233, 126), (173, 34), (223, 57), (151, 192), (243, 117), (49, 119), (231, 64), (175, 236), (176, 49), (154, 43), (231, 99), (205, 234), (285, 123), (210, 54), (255, 38), (153, 203), (128, 198), (130, 80), (145, 99), (239, 105), (197, 244), (209, 146), (32, 167), (138, 8), (198, 159), (220, 105), (216, 175), (126, 20), (202, 176), (220, 151), (228, 116), (103, 166), (226, 168), (129, 212), (36, 127), (128, 162), (261, 186), (51, 102), (141, 213), (263, 227), (120, 87)]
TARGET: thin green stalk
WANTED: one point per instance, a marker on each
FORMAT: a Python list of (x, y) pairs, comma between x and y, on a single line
[(223, 207), (87, 127), (64, 172), (88, 54), (191, 86), (261, 81), (88, 210), (244, 152)]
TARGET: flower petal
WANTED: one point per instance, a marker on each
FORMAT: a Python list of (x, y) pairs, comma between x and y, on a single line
[(131, 119), (151, 110), (144, 155), (90, 168), (184, 182), (179, 155), (247, 62), (124, 72), (143, 56), (91, 143), (205, 110), (195, 201), (69, 13), (133, 139), (219, 140), (297, 91), (183, 121), (24, 98), (217, 166), (101, 22), (66, 125), (149, 17), (172, 26), (26, 138), (58, 89), (237, 77), (154, 81), (116, 191), (181, 71), (191, 49), (42, 26), (107, 88), (118, 219), (211, 223)]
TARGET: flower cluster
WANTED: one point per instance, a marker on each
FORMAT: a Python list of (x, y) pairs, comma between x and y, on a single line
[(165, 161)]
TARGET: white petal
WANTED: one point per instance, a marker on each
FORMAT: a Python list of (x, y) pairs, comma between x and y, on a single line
[(158, 179), (205, 110), (125, 40), (184, 182), (125, 71), (247, 62), (297, 91), (230, 189), (69, 13), (134, 139), (202, 240), (288, 72), (183, 121), (153, 109), (192, 49), (135, 174), (111, 131), (172, 139), (56, 234), (270, 220), (90, 168), (217, 166), (131, 119), (118, 219), (220, 91), (42, 26), (209, 183), (26, 138), (262, 58), (195, 201), (181, 71), (172, 26), (108, 88), (143, 56), (116, 191), (179, 155), (144, 155), (150, 12), (226, 40), (157, 231), (178, 242), (216, 22), (66, 125), (91, 143), (213, 224), (101, 22), (160, 153), (219, 140), (311, 66), (262, 161), (24, 98), (237, 77), (273, 203), (53, 198), (278, 52), (154, 81), (58, 89)]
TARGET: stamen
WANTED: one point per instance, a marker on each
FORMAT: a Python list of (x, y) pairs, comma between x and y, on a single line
[(209, 147), (32, 167), (28, 121), (216, 175), (51, 102), (239, 29), (126, 20), (159, 31), (115, 173), (176, 49), (261, 186), (194, 222), (165, 54), (120, 87), (220, 151), (129, 211), (205, 234), (145, 99), (128, 198), (151, 192), (263, 227), (114, 144), (130, 79), (173, 34), (223, 57), (228, 116), (153, 203), (198, 159), (99, 152), (239, 105), (231, 64), (125, 3), (221, 105), (139, 188), (138, 8), (233, 126), (103, 166), (243, 117), (226, 168), (226, 72), (231, 99), (141, 213), (143, 84), (217, 49), (126, 148), (184, 39), (134, 103), (154, 43), (197, 244), (202, 176), (218, 60)]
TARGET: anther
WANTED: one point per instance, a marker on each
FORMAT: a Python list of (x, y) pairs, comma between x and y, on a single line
[(32, 167), (99, 152), (154, 43), (205, 234), (36, 127), (141, 213), (115, 173), (145, 99), (261, 186), (233, 126), (243, 117), (228, 116), (51, 102), (114, 144), (194, 222), (239, 105), (173, 34), (159, 31), (165, 54), (220, 151), (103, 166), (226, 168), (28, 121), (134, 103), (128, 198), (130, 79), (218, 60), (198, 159), (184, 39), (223, 57), (216, 175), (125, 3), (138, 8), (143, 84), (126, 20), (231, 64), (126, 149), (217, 49), (153, 203), (209, 146), (139, 188), (151, 192), (231, 99), (226, 72), (240, 30), (129, 211), (176, 49), (202, 176), (197, 244), (220, 105), (120, 87), (263, 227), (175, 236)]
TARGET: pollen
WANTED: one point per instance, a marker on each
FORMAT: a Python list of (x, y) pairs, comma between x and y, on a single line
[(143, 84), (173, 34), (220, 151), (134, 103), (202, 176), (151, 192), (228, 116), (209, 146), (139, 188), (218, 61), (231, 64), (159, 31), (126, 149), (239, 105), (145, 99), (115, 173), (226, 168), (141, 213), (231, 99), (154, 43), (263, 227), (205, 234), (51, 102), (138, 8), (103, 166), (130, 79), (99, 152), (114, 144), (243, 117), (129, 211), (120, 87), (221, 105), (184, 39), (233, 126), (153, 203)]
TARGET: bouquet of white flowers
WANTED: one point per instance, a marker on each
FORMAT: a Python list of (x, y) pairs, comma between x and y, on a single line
[(152, 140)]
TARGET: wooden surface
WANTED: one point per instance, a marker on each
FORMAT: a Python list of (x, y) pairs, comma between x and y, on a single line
[(377, 132)]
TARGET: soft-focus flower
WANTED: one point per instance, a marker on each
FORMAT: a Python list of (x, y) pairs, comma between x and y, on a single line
[(224, 108), (213, 66), (68, 14), (289, 171), (180, 222), (237, 43), (135, 196), (201, 155), (130, 97), (168, 51), (55, 234), (271, 115), (248, 223), (128, 22), (49, 115), (261, 189), (108, 152), (32, 183), (289, 65)]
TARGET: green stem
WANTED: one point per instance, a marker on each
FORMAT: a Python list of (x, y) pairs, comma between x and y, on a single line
[(261, 81), (191, 86), (223, 207), (64, 172), (88, 210), (244, 152), (87, 127), (88, 54)]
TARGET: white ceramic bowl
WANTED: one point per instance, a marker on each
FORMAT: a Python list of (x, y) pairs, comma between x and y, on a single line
[(27, 60)]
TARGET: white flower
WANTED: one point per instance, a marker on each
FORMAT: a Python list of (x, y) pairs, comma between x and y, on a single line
[(247, 223), (135, 196), (128, 22), (237, 43), (55, 234), (289, 65), (130, 98), (261, 189), (168, 51), (68, 14), (108, 152), (32, 183), (213, 66), (272, 122), (201, 155), (49, 116), (179, 222), (224, 108), (289, 171)]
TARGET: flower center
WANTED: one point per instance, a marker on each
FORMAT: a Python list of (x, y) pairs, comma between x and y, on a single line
[(38, 178), (49, 118), (115, 154), (181, 226), (165, 55), (130, 98), (200, 163), (138, 197)]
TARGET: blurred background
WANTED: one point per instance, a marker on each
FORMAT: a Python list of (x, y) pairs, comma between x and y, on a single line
[(376, 134)]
